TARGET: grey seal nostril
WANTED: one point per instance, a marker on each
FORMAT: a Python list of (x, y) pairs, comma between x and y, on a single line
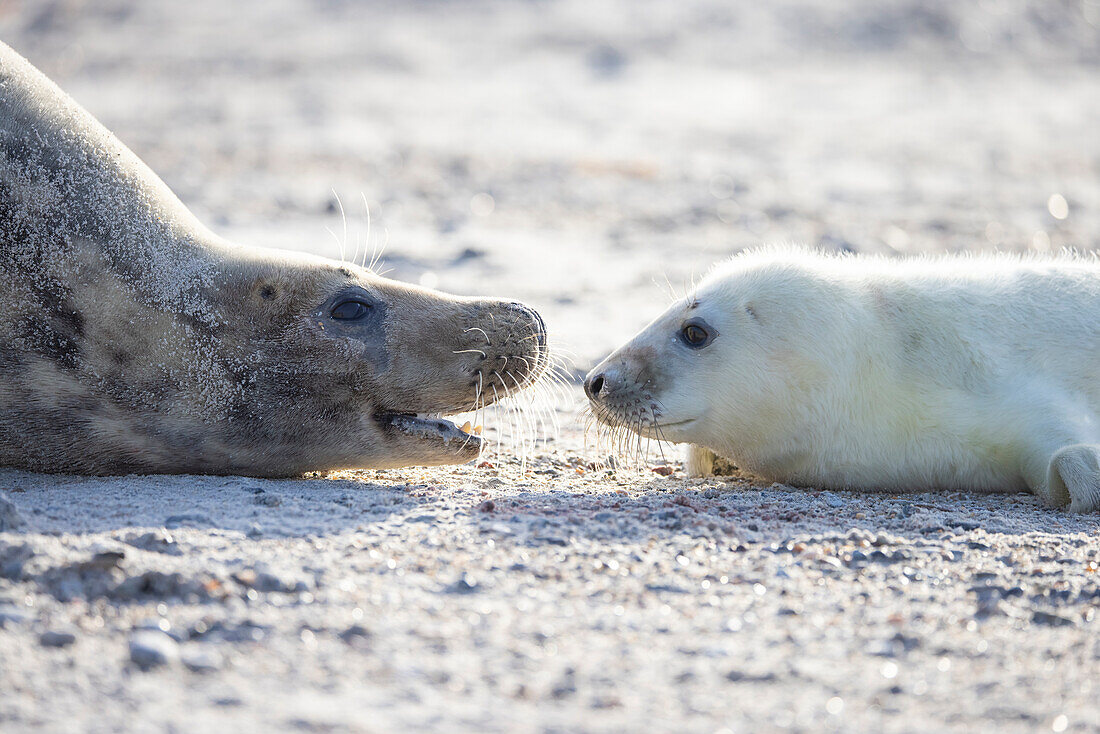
[(593, 385)]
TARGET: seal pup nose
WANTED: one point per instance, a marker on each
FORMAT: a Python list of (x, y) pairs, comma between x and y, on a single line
[(593, 385)]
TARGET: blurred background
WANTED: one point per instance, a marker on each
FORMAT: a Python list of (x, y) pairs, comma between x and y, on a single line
[(576, 153)]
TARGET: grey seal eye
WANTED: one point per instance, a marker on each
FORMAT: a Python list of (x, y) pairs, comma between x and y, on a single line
[(350, 310), (696, 334)]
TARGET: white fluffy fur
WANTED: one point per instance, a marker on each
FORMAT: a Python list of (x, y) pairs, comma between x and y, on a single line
[(971, 372)]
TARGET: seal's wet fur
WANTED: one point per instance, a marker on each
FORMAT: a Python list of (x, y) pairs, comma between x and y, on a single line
[(133, 339)]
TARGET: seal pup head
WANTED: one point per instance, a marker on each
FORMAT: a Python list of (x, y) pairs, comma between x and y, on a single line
[(731, 366), (135, 340)]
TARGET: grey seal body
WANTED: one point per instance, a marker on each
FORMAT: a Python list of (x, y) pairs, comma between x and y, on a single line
[(133, 339)]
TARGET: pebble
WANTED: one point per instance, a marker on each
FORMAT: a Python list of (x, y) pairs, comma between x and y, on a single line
[(157, 584), (176, 521), (991, 608), (157, 541), (12, 560), (466, 584), (1051, 620), (219, 631), (60, 637), (158, 624), (12, 615), (10, 519), (201, 658), (354, 632), (266, 580), (149, 649)]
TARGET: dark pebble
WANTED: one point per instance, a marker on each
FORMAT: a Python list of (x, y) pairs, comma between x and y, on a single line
[(1051, 620), (176, 521), (56, 638), (354, 632), (465, 585), (10, 519)]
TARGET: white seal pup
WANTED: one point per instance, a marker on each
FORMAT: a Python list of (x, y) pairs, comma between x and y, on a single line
[(970, 373), (133, 339)]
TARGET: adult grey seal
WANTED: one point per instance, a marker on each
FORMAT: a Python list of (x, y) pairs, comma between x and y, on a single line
[(134, 340), (975, 373)]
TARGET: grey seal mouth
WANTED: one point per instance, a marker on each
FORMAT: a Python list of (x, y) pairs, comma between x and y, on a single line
[(430, 427)]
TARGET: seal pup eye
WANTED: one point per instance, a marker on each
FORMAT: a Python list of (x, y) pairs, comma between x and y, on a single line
[(697, 335), (350, 310)]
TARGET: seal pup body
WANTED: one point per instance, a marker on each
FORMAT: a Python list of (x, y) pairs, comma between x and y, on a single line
[(133, 339), (972, 373)]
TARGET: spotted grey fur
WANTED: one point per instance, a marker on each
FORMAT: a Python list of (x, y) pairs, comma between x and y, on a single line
[(133, 339)]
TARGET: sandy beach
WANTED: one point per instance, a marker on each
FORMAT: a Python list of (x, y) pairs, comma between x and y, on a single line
[(588, 158)]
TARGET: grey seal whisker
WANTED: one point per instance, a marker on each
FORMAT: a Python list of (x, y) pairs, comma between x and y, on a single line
[(488, 342)]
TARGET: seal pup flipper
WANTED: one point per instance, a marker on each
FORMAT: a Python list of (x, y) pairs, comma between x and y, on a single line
[(1074, 478), (699, 461), (702, 462)]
